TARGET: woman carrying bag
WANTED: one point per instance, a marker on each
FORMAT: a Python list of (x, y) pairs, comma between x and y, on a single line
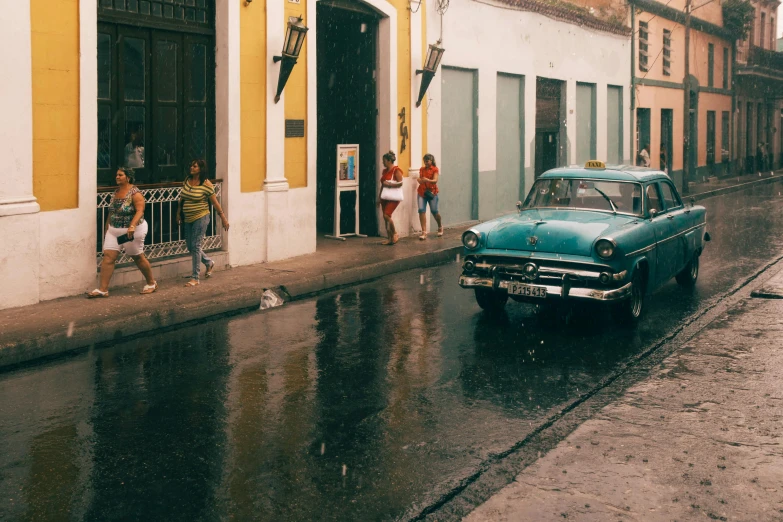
[(390, 195)]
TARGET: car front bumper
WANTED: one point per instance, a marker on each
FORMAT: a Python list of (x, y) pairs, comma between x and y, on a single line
[(552, 291)]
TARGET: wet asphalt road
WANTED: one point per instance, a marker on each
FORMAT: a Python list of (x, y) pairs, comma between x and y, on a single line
[(366, 404)]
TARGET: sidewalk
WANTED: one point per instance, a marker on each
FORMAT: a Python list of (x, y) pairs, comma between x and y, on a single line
[(718, 186), (61, 325), (700, 438)]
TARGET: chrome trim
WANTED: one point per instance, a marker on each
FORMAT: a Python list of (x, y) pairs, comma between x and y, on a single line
[(642, 250), (675, 236), (590, 294), (544, 270)]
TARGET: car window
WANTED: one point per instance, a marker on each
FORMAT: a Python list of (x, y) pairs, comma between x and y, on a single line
[(588, 194), (653, 200), (670, 196)]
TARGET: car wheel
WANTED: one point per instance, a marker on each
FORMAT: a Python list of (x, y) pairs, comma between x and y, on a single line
[(490, 300), (690, 273), (630, 310)]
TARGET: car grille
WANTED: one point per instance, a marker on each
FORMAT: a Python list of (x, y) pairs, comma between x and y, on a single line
[(548, 272)]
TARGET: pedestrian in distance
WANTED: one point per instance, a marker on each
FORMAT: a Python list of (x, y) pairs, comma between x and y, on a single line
[(644, 156), (427, 193), (759, 157), (196, 195), (390, 195), (662, 157), (125, 229)]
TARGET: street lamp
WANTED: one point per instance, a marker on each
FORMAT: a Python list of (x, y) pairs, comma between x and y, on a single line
[(294, 38), (434, 56)]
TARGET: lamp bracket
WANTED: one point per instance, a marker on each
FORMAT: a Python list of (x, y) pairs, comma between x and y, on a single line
[(419, 71), (277, 58)]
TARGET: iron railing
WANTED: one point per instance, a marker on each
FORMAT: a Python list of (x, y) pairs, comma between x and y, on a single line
[(164, 237), (757, 56)]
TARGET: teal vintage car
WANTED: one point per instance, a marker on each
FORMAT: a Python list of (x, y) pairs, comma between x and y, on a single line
[(611, 234)]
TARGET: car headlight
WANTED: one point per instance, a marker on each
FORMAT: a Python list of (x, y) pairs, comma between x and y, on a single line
[(604, 248), (470, 239)]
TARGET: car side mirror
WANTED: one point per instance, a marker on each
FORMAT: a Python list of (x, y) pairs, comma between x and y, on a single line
[(519, 206), (653, 213)]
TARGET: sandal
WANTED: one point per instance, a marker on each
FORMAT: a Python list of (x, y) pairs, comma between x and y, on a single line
[(192, 282), (395, 238), (148, 289), (97, 293), (440, 232), (210, 268), (423, 236)]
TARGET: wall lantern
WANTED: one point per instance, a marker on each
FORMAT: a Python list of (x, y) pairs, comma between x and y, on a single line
[(294, 38), (434, 56)]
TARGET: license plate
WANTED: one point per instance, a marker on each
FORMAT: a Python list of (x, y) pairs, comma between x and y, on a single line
[(526, 290)]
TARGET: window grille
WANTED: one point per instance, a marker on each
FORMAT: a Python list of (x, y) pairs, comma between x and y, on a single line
[(644, 35), (667, 52)]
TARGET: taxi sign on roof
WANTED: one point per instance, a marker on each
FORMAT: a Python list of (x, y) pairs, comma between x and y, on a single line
[(595, 164)]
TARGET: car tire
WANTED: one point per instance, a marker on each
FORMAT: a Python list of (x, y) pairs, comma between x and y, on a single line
[(629, 311), (690, 273), (491, 301)]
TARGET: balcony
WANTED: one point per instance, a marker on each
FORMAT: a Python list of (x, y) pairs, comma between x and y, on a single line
[(164, 237), (756, 60)]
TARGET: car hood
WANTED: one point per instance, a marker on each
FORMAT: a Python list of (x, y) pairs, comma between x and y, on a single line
[(559, 231)]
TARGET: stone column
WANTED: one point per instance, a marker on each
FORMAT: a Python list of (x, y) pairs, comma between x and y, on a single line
[(18, 207), (275, 184)]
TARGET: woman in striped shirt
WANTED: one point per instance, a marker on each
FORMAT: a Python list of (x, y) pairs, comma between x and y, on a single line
[(197, 193)]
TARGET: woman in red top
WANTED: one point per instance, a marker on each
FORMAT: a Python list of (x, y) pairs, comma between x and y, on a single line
[(428, 193), (391, 178)]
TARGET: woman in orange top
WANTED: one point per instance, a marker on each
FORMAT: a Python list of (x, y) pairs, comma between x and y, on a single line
[(392, 179), (428, 193)]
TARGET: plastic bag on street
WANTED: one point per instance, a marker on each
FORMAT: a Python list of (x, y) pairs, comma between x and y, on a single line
[(269, 299)]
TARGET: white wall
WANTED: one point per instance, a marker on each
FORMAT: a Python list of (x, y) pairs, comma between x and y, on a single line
[(496, 39), (19, 216)]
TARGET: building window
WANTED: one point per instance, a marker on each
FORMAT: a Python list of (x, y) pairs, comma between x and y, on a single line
[(724, 136), (762, 39), (644, 35), (710, 138), (710, 65), (156, 93), (772, 28), (667, 52), (725, 67)]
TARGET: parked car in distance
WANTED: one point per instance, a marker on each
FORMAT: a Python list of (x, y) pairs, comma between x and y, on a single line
[(595, 234)]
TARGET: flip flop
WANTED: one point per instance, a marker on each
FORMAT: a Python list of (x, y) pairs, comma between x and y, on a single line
[(148, 289), (97, 293)]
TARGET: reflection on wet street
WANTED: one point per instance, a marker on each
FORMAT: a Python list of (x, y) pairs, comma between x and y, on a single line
[(358, 405)]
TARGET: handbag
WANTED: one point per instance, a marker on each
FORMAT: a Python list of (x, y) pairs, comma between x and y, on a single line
[(392, 193)]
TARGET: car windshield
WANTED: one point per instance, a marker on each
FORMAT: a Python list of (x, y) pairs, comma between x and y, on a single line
[(614, 196)]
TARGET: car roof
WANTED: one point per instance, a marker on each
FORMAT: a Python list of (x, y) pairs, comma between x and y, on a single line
[(611, 172)]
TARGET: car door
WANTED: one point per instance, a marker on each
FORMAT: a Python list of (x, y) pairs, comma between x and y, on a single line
[(680, 220), (665, 250)]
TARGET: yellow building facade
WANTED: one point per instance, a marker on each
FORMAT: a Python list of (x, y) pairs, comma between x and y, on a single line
[(154, 84)]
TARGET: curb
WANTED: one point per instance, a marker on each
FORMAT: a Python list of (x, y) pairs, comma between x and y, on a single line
[(102, 330), (733, 188)]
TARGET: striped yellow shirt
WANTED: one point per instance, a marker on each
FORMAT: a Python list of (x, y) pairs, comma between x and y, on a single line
[(195, 200)]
